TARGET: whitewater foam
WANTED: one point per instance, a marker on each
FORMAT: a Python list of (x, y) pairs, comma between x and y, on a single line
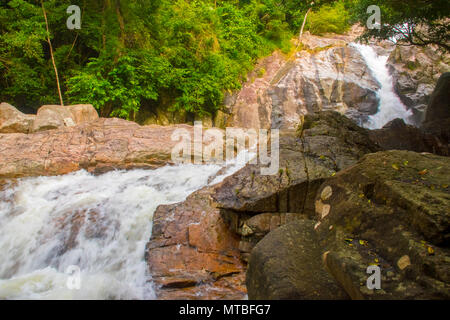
[(390, 106)]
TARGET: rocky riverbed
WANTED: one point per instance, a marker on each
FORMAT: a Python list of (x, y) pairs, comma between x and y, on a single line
[(344, 197)]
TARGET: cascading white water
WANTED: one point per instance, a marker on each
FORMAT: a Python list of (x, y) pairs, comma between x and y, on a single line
[(100, 224), (390, 106)]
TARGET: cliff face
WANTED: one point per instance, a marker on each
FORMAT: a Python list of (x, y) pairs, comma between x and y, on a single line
[(325, 74), (415, 71), (332, 79)]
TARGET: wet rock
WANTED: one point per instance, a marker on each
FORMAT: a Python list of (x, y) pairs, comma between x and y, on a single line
[(90, 223), (192, 253), (287, 265), (14, 121), (227, 288), (390, 210)]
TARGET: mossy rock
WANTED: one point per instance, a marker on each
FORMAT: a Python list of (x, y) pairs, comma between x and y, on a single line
[(397, 203)]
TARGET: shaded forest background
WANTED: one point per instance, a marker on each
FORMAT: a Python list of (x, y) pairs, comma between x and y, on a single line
[(182, 55)]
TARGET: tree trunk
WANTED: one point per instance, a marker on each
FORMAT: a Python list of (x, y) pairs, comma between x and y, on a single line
[(51, 54), (298, 44), (303, 26)]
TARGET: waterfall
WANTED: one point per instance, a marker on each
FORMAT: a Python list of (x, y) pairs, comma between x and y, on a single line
[(100, 224), (390, 106)]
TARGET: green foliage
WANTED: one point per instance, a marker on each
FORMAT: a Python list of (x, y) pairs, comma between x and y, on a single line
[(183, 54), (330, 18), (412, 22)]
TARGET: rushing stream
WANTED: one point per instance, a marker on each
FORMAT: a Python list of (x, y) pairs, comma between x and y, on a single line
[(391, 107), (100, 224)]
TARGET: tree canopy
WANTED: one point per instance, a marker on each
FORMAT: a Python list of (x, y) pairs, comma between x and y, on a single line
[(412, 22), (175, 54)]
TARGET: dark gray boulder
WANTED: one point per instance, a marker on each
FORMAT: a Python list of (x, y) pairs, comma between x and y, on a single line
[(287, 265)]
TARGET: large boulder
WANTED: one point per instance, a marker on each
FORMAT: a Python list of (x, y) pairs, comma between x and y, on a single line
[(325, 143), (192, 254), (335, 78), (253, 204), (390, 210), (287, 265), (14, 121), (325, 74), (83, 113), (437, 119), (54, 117), (397, 135), (439, 107)]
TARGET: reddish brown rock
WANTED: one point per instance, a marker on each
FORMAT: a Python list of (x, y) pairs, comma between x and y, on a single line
[(92, 223), (228, 288), (197, 245), (192, 254), (97, 146)]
